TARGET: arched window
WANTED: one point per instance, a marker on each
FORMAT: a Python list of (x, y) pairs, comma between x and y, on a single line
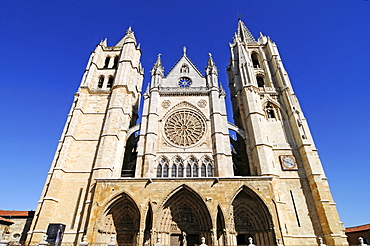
[(106, 63), (195, 170), (100, 82), (255, 61), (165, 171), (270, 111), (210, 170), (188, 170), (110, 82), (174, 170), (116, 59), (181, 171), (260, 81), (159, 171), (203, 171)]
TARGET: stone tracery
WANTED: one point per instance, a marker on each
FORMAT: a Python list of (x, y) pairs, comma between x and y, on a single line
[(184, 128)]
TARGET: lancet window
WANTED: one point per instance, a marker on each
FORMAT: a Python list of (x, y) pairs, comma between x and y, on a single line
[(203, 170), (165, 171), (255, 61), (100, 82), (260, 81), (188, 170), (110, 82), (115, 64), (174, 171), (206, 168), (162, 168), (270, 112), (106, 63), (179, 169)]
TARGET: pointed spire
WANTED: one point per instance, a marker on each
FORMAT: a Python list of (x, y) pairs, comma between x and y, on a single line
[(222, 91), (211, 66), (147, 92), (103, 42), (128, 38), (262, 39), (244, 34), (158, 68)]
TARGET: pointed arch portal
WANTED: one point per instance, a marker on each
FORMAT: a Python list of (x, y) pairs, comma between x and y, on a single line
[(125, 218), (252, 219), (184, 219)]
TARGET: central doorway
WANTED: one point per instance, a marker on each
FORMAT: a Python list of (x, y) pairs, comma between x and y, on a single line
[(184, 219)]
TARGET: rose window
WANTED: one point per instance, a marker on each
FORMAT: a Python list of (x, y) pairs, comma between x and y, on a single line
[(184, 128)]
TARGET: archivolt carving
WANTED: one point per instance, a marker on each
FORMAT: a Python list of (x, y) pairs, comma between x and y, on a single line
[(122, 217), (184, 212), (250, 213)]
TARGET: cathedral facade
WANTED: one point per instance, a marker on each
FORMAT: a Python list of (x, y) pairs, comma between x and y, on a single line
[(184, 172)]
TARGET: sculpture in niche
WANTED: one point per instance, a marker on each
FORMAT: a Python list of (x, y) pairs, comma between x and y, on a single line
[(184, 241), (184, 68)]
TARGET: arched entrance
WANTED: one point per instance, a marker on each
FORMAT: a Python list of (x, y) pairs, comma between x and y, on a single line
[(122, 218), (252, 219), (184, 219)]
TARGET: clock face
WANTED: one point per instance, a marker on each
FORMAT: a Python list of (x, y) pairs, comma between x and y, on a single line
[(184, 82), (288, 162)]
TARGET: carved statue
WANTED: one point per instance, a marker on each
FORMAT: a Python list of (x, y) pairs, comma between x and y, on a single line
[(184, 242), (203, 242), (158, 242)]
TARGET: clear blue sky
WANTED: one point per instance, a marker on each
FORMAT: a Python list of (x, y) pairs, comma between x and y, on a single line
[(324, 45)]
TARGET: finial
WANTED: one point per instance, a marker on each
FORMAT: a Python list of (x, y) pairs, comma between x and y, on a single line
[(159, 55), (129, 30), (184, 49), (239, 16), (210, 55)]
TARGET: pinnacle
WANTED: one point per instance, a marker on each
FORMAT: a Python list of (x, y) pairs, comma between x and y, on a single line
[(128, 38), (158, 68)]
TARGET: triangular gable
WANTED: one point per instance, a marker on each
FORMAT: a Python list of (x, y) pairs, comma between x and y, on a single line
[(184, 68), (184, 59)]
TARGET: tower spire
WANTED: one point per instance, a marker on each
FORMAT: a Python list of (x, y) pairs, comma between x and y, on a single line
[(244, 34)]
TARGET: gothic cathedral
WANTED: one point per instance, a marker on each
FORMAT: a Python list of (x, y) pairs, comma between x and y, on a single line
[(184, 173)]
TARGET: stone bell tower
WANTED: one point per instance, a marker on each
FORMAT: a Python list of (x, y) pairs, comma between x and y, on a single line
[(93, 141), (278, 142)]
